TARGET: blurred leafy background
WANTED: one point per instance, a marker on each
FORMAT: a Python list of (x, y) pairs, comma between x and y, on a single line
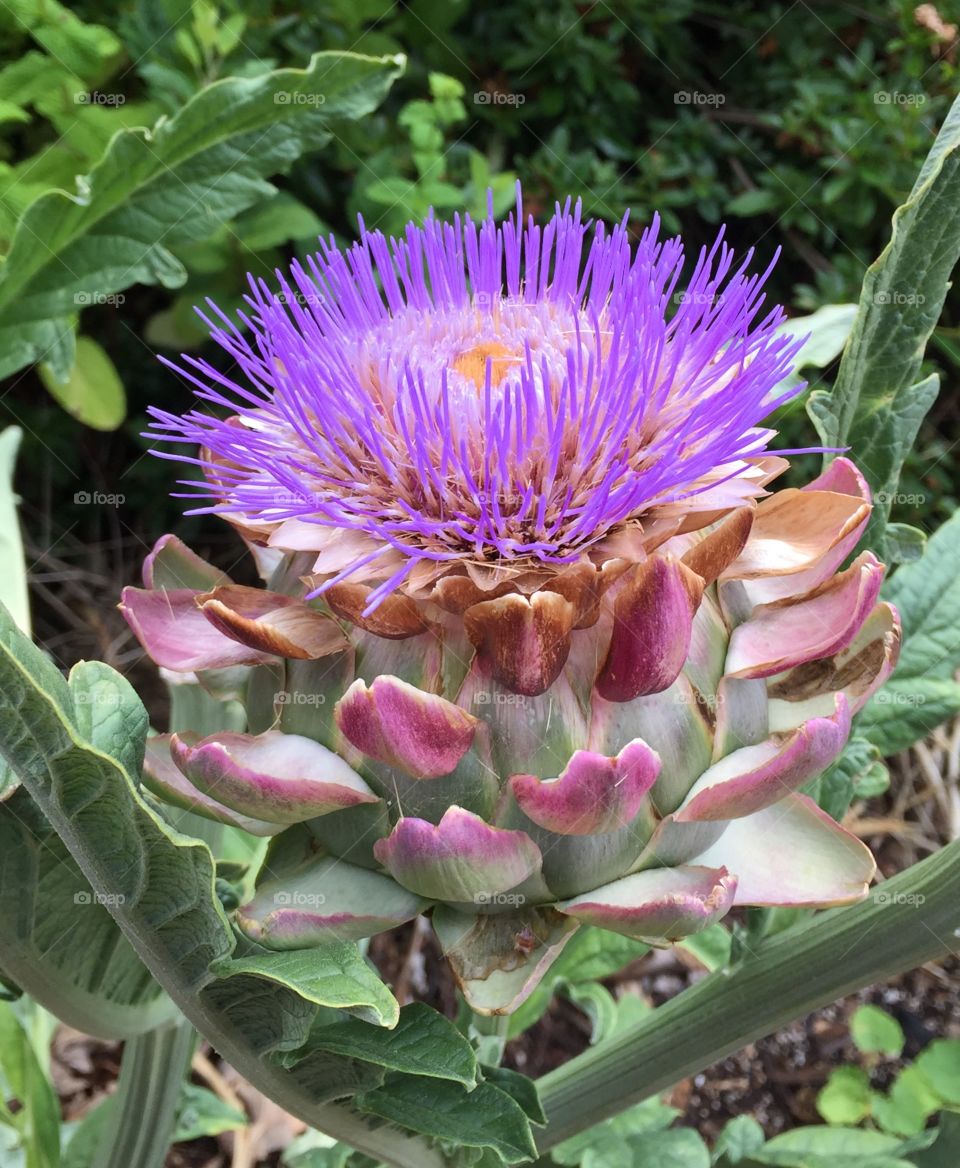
[(800, 125)]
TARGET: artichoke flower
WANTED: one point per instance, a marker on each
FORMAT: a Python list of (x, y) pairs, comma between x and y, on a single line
[(538, 646)]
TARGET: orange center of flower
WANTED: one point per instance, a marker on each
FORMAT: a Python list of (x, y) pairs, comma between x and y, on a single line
[(472, 363)]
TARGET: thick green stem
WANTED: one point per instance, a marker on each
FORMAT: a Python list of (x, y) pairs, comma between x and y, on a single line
[(908, 920), (145, 1106), (493, 1030)]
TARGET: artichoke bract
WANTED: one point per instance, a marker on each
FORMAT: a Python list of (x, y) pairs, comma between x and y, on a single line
[(537, 646)]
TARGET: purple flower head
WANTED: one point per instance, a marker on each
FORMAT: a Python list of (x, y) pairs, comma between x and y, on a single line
[(475, 393)]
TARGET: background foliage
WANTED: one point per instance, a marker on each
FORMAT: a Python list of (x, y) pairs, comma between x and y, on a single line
[(801, 126)]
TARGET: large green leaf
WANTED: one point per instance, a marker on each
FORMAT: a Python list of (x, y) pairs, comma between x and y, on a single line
[(879, 400), (174, 184), (59, 942), (257, 1008), (922, 691)]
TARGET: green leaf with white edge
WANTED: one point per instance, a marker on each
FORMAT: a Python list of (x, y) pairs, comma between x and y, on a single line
[(485, 1117), (423, 1042), (38, 1118), (939, 1064), (922, 691), (878, 400), (846, 1096), (155, 189), (13, 579), (874, 1031), (159, 886), (200, 1113), (741, 1136), (91, 391)]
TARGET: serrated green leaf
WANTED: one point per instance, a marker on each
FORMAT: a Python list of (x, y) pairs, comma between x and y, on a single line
[(485, 1117), (878, 402), (176, 183), (423, 1042), (92, 391), (874, 1031)]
